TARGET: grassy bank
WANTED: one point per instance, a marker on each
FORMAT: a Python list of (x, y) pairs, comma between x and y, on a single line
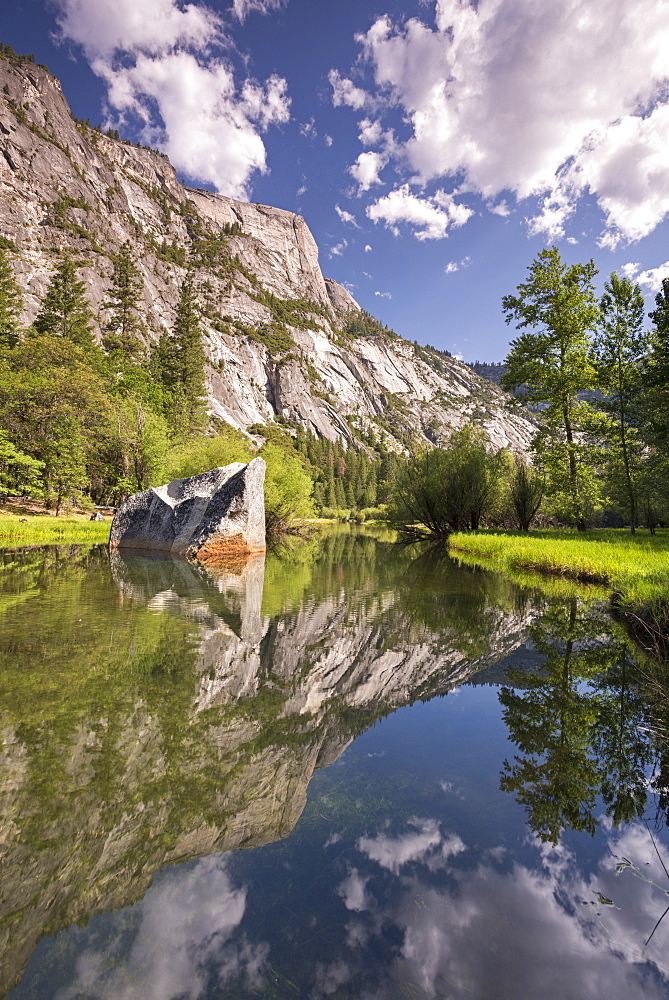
[(46, 530), (636, 566)]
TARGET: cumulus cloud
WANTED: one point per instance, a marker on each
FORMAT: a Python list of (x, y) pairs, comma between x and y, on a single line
[(344, 91), (423, 843), (366, 169), (431, 217), (506, 96), (368, 248), (651, 278), (157, 60), (353, 891), (187, 922)]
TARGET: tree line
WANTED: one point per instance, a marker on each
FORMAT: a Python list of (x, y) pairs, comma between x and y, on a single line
[(89, 422), (597, 380)]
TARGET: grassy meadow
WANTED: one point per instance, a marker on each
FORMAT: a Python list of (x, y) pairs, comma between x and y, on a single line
[(635, 565), (46, 530)]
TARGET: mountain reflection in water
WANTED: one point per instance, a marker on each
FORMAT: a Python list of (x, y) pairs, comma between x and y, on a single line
[(154, 712)]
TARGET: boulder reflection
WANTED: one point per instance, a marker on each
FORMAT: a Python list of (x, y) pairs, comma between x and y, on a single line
[(161, 712)]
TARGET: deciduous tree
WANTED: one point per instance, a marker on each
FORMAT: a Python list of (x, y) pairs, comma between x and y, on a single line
[(552, 365)]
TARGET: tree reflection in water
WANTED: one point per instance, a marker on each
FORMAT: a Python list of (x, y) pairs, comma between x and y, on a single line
[(580, 725)]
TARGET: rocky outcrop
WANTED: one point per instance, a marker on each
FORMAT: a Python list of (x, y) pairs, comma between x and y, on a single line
[(218, 515), (278, 335)]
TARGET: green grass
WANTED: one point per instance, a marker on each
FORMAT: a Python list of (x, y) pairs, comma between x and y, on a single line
[(46, 530), (637, 566)]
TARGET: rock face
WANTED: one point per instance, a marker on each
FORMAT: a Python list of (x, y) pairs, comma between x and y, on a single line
[(216, 515), (278, 335)]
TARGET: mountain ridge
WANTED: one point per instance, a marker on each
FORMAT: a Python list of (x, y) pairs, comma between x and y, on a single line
[(280, 338)]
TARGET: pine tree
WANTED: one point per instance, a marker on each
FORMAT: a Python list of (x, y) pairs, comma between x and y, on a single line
[(189, 358), (10, 303), (65, 311), (123, 328)]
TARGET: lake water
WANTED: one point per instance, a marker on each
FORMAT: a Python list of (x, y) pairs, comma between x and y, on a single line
[(354, 770)]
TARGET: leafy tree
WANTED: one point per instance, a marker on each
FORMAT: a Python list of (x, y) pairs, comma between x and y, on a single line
[(619, 349), (552, 722), (553, 365), (526, 492), (54, 407), (656, 371), (124, 326), (10, 303), (448, 489), (65, 311), (19, 472), (288, 491)]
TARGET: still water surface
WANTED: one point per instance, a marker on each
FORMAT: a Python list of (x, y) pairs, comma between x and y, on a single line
[(354, 771)]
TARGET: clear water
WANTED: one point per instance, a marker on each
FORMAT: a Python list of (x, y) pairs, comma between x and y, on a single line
[(356, 771)]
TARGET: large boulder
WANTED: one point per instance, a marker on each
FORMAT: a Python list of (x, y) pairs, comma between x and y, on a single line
[(216, 516)]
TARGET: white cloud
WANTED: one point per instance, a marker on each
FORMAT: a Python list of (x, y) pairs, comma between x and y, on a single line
[(346, 216), (308, 129), (344, 91), (338, 249), (424, 843), (384, 295), (353, 890), (501, 209), (366, 169), (535, 100), (431, 217), (457, 265), (242, 8), (368, 248), (651, 278), (187, 924), (156, 59)]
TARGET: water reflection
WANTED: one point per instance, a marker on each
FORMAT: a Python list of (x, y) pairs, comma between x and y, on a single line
[(159, 713), (162, 713), (579, 725)]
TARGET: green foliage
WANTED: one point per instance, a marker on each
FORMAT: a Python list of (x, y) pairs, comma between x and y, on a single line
[(448, 489), (526, 492), (65, 311), (288, 489), (202, 453), (19, 472), (656, 372), (552, 366), (619, 350), (11, 302), (178, 362), (362, 324), (124, 325)]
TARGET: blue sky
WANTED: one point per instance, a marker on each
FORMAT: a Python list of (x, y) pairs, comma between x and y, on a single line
[(433, 146)]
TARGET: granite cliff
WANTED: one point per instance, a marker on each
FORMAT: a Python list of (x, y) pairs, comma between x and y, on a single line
[(280, 338)]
